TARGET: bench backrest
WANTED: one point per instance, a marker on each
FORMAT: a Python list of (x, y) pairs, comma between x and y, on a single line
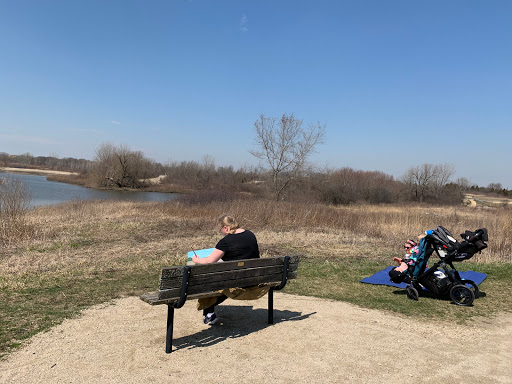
[(205, 278)]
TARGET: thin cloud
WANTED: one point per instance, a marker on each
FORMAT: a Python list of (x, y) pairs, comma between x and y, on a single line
[(243, 23), (85, 130), (115, 122)]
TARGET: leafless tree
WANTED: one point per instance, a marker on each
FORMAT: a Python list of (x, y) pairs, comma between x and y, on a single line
[(121, 167), (346, 186), (495, 187), (14, 203), (4, 158), (284, 144), (463, 183), (442, 174), (427, 180)]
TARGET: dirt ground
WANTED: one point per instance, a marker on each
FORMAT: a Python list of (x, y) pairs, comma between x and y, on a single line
[(474, 200), (312, 341)]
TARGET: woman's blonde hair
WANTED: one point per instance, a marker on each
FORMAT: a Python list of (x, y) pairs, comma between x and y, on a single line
[(229, 221)]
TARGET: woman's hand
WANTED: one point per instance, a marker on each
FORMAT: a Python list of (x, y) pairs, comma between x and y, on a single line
[(215, 256)]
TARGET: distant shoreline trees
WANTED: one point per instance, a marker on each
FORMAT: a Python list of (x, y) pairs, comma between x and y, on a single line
[(27, 160), (121, 167)]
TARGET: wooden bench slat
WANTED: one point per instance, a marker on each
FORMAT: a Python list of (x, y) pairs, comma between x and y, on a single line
[(152, 298), (226, 284), (198, 279), (169, 272)]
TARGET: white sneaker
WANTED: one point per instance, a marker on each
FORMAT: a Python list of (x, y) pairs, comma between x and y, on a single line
[(210, 318)]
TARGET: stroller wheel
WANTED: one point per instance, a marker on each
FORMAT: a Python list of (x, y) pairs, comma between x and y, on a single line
[(462, 295), (473, 286), (412, 293)]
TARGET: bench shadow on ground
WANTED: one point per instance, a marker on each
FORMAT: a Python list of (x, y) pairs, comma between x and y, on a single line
[(235, 322)]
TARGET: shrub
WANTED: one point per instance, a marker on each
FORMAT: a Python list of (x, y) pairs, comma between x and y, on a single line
[(14, 203)]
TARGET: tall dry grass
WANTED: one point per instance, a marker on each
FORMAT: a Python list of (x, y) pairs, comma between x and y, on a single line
[(384, 225), (387, 226), (14, 203), (100, 236)]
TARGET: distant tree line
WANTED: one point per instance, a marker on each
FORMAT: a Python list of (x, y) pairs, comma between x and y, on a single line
[(121, 167), (283, 145), (26, 160)]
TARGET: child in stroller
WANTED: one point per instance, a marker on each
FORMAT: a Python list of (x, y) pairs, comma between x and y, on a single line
[(410, 257), (442, 278)]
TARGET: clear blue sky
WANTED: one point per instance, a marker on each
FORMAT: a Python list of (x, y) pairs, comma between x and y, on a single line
[(398, 83)]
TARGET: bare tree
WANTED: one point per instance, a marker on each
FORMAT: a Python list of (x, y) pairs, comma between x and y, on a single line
[(14, 204), (441, 176), (121, 167), (4, 158), (463, 183), (495, 187), (427, 180), (26, 159), (285, 144)]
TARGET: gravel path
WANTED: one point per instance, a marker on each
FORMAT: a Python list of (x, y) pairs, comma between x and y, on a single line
[(312, 341)]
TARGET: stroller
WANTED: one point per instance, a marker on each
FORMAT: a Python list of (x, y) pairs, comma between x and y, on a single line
[(442, 278)]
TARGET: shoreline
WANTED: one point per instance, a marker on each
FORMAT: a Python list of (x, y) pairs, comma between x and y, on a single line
[(154, 184), (36, 171)]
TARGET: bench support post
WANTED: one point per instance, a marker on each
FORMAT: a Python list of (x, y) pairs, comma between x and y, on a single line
[(281, 286), (170, 326), (271, 306), (170, 309)]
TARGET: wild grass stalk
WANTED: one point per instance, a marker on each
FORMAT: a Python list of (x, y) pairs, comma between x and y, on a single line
[(14, 200)]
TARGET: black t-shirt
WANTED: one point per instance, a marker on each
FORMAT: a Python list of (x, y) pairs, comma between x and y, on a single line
[(239, 246)]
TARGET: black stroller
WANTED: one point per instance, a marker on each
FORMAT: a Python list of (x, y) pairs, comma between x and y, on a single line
[(442, 278)]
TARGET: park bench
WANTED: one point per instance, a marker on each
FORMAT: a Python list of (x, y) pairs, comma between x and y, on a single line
[(177, 284)]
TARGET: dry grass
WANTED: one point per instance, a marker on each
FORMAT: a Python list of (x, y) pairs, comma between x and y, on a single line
[(100, 235)]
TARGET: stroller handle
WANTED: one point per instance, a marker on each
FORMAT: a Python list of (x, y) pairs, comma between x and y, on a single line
[(477, 236)]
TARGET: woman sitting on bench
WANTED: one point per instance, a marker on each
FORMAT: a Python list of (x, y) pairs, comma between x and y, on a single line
[(237, 244)]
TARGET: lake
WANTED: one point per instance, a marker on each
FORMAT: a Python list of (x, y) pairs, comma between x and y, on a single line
[(44, 192)]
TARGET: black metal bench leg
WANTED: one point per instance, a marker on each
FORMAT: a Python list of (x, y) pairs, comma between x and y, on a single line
[(271, 306), (170, 325), (286, 264)]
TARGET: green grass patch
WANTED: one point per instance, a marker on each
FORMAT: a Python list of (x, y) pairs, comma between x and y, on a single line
[(46, 300), (340, 280)]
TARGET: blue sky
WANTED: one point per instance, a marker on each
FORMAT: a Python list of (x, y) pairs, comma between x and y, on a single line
[(397, 83)]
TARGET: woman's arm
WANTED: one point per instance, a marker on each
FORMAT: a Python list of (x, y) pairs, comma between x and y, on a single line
[(215, 256)]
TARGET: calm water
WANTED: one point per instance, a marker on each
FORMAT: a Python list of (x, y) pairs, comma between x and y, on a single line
[(44, 192)]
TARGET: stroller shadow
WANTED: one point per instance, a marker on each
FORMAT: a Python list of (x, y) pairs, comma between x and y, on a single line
[(235, 322), (430, 295), (423, 294)]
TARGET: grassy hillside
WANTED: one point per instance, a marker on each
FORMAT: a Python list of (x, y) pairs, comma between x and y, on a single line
[(82, 253)]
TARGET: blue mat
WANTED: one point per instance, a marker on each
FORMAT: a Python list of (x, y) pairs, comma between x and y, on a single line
[(382, 278)]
